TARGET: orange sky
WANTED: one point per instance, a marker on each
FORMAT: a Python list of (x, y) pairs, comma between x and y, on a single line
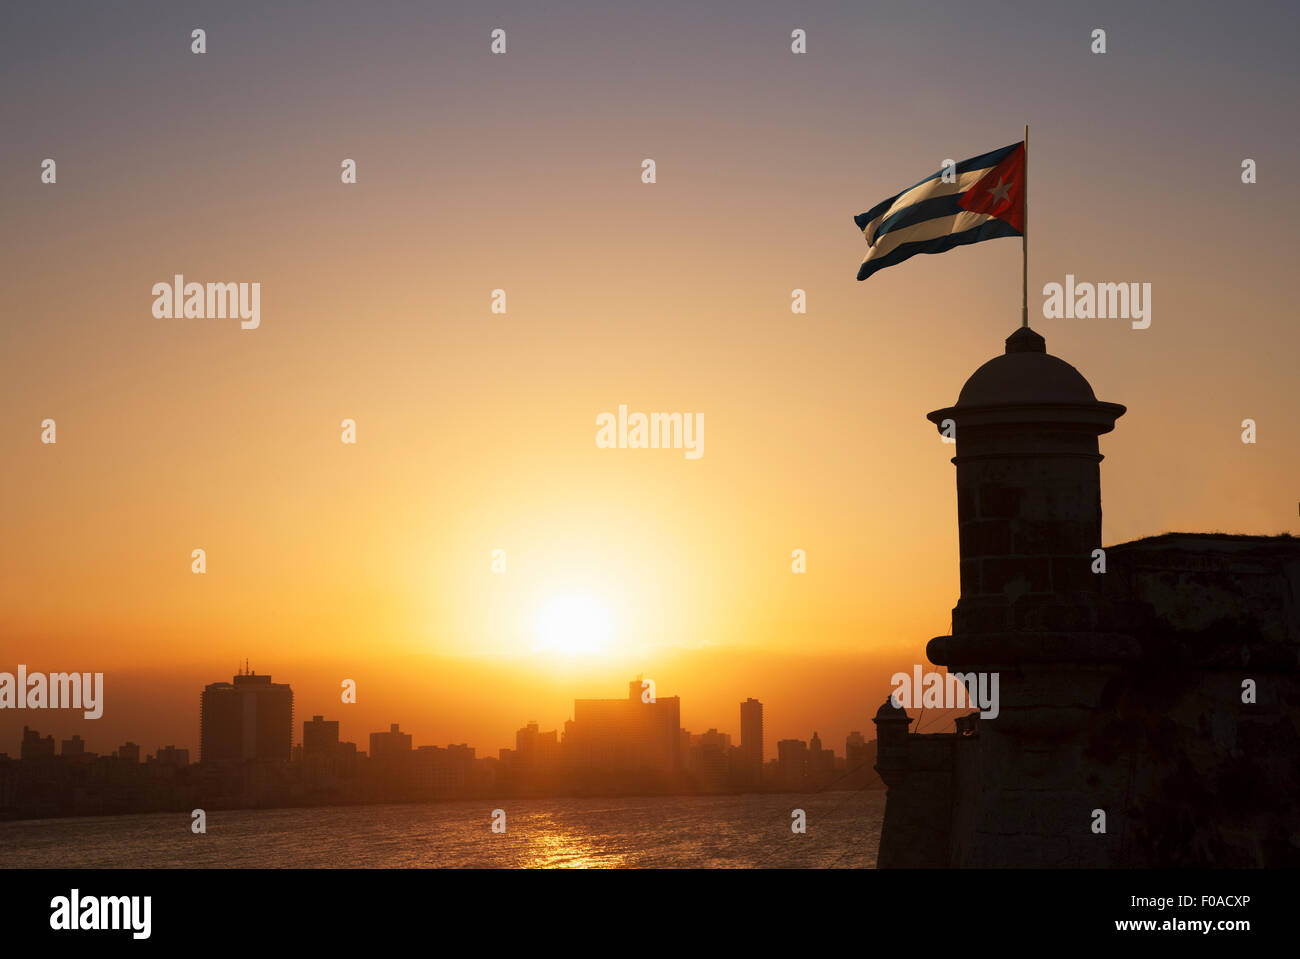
[(476, 431)]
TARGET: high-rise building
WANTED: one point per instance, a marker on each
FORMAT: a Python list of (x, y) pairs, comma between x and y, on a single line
[(74, 748), (128, 752), (536, 753), (792, 763), (821, 763), (854, 745), (624, 735), (439, 771), (392, 743), (249, 718), (171, 756), (708, 760), (859, 758), (751, 739), (320, 737), (526, 743), (392, 760), (34, 747)]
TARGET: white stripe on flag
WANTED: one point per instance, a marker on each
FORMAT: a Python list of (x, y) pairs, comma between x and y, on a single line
[(928, 230), (925, 191)]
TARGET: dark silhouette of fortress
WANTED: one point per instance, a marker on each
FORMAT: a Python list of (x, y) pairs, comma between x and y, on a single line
[(1160, 694)]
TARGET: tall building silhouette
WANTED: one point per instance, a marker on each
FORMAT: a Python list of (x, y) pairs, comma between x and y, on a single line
[(792, 763), (626, 734), (320, 737), (821, 763), (708, 759), (536, 753), (171, 756), (859, 760), (34, 747), (751, 739), (128, 752), (393, 743), (247, 718), (74, 748)]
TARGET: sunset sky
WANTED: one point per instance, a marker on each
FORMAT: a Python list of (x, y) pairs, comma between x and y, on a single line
[(476, 430)]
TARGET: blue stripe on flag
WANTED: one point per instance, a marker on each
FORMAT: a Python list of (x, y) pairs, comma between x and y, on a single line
[(974, 163), (936, 206), (988, 230)]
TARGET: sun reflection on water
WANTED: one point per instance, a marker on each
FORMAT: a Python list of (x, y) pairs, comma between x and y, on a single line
[(554, 848)]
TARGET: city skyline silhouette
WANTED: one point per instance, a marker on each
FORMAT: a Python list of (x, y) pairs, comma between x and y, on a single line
[(254, 752), (441, 369)]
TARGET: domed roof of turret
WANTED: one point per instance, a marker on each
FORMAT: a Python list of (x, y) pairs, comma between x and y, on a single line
[(1025, 374), (1026, 385), (891, 710)]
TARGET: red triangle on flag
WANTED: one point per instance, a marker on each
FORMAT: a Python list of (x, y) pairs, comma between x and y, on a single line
[(1001, 191)]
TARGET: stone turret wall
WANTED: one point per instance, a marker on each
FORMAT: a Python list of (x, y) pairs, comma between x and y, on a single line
[(1027, 528), (1121, 693)]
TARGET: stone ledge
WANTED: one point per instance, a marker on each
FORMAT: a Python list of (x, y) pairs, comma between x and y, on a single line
[(1032, 647)]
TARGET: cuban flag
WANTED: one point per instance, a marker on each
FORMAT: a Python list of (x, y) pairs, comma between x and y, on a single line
[(985, 200)]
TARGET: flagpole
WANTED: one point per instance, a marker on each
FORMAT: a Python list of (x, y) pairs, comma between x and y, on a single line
[(1024, 244)]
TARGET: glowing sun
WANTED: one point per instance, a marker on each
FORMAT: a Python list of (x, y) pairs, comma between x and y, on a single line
[(573, 624)]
